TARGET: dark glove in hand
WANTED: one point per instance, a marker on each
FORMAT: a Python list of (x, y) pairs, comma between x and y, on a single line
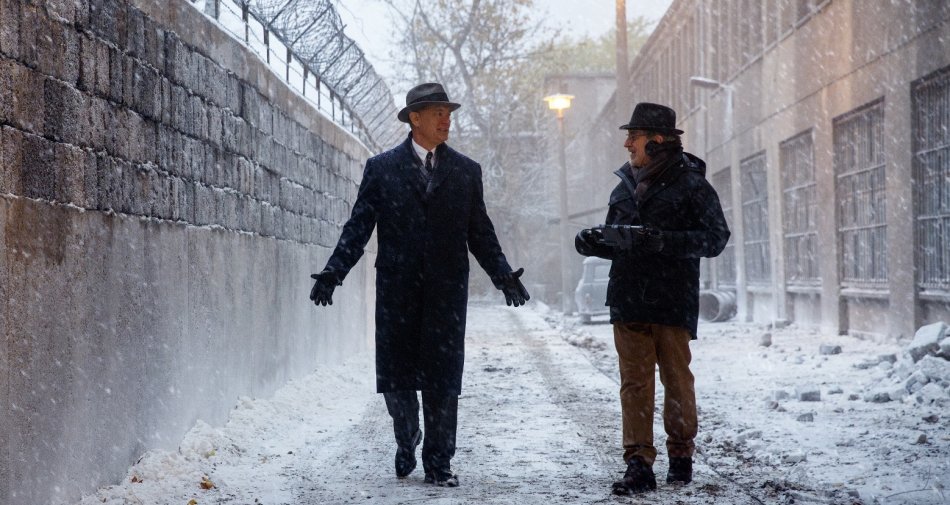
[(645, 239), (322, 292), (587, 236), (515, 292)]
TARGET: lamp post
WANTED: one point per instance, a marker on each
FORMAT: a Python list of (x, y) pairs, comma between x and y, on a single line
[(560, 102)]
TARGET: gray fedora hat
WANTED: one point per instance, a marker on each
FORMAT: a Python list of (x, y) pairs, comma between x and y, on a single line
[(424, 95), (653, 117)]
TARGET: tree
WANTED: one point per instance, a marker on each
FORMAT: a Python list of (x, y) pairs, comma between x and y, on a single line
[(596, 55), (493, 56)]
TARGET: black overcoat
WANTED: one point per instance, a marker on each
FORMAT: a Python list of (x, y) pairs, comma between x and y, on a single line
[(424, 233), (663, 287)]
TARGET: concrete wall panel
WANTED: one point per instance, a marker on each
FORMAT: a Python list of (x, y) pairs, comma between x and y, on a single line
[(163, 200)]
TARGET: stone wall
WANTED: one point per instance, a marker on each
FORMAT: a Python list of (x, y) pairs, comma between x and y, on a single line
[(163, 198)]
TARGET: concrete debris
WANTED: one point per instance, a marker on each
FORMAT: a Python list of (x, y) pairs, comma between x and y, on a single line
[(921, 439), (747, 435), (867, 363), (932, 394), (794, 457), (808, 393), (945, 348), (921, 374), (897, 392), (806, 417), (932, 418), (936, 369), (927, 340), (765, 340), (780, 394), (877, 397), (892, 358), (829, 349), (778, 324), (916, 381)]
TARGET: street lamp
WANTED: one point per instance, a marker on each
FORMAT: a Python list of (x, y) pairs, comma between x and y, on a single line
[(560, 102)]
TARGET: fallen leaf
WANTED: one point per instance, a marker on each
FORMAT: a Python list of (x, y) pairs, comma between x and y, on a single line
[(192, 502), (136, 479), (206, 483)]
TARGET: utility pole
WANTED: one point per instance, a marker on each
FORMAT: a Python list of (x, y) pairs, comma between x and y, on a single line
[(559, 103), (622, 104)]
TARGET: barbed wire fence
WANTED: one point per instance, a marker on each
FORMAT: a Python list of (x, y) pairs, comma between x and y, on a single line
[(303, 42)]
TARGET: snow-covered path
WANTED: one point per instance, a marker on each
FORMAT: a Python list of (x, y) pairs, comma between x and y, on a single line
[(539, 422), (530, 428)]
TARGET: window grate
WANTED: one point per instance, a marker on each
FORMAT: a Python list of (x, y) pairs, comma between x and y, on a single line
[(797, 159), (861, 197), (931, 130), (755, 219)]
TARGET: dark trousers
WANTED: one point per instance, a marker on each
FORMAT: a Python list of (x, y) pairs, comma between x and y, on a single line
[(440, 414)]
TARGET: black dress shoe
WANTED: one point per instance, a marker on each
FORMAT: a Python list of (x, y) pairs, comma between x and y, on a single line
[(406, 457), (442, 478), (681, 471), (638, 478)]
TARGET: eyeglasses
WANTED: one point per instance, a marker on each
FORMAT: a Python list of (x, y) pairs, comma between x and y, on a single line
[(635, 136)]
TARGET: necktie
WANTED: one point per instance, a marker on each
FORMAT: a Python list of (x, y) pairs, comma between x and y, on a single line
[(427, 169)]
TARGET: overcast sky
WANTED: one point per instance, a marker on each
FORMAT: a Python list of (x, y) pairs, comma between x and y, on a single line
[(367, 22)]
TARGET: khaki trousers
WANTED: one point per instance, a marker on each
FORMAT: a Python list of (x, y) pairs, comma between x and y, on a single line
[(641, 347)]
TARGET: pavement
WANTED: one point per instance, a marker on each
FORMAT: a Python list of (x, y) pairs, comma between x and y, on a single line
[(539, 423)]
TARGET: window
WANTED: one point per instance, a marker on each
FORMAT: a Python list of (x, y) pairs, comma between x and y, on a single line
[(726, 261), (755, 219), (931, 130), (797, 160), (861, 197)]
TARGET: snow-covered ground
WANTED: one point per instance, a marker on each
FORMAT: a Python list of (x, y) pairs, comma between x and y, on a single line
[(539, 422)]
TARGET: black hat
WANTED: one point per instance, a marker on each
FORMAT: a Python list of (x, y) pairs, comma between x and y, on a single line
[(424, 95), (653, 117)]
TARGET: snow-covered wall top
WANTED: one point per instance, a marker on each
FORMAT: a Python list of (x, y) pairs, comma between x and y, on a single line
[(163, 198)]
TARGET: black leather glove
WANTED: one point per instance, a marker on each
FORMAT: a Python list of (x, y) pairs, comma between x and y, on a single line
[(514, 290), (588, 237), (322, 291), (642, 239)]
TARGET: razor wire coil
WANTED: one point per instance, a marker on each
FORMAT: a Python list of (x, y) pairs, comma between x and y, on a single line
[(302, 41)]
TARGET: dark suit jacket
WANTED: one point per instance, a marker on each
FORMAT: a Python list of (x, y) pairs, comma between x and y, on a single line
[(424, 234)]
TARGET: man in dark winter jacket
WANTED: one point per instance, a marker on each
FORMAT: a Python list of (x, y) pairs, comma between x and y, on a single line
[(425, 201), (653, 291)]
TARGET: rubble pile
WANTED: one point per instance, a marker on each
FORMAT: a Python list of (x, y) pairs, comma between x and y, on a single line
[(921, 374)]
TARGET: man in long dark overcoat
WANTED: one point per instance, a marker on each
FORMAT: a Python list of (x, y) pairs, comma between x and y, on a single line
[(653, 292), (425, 201)]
